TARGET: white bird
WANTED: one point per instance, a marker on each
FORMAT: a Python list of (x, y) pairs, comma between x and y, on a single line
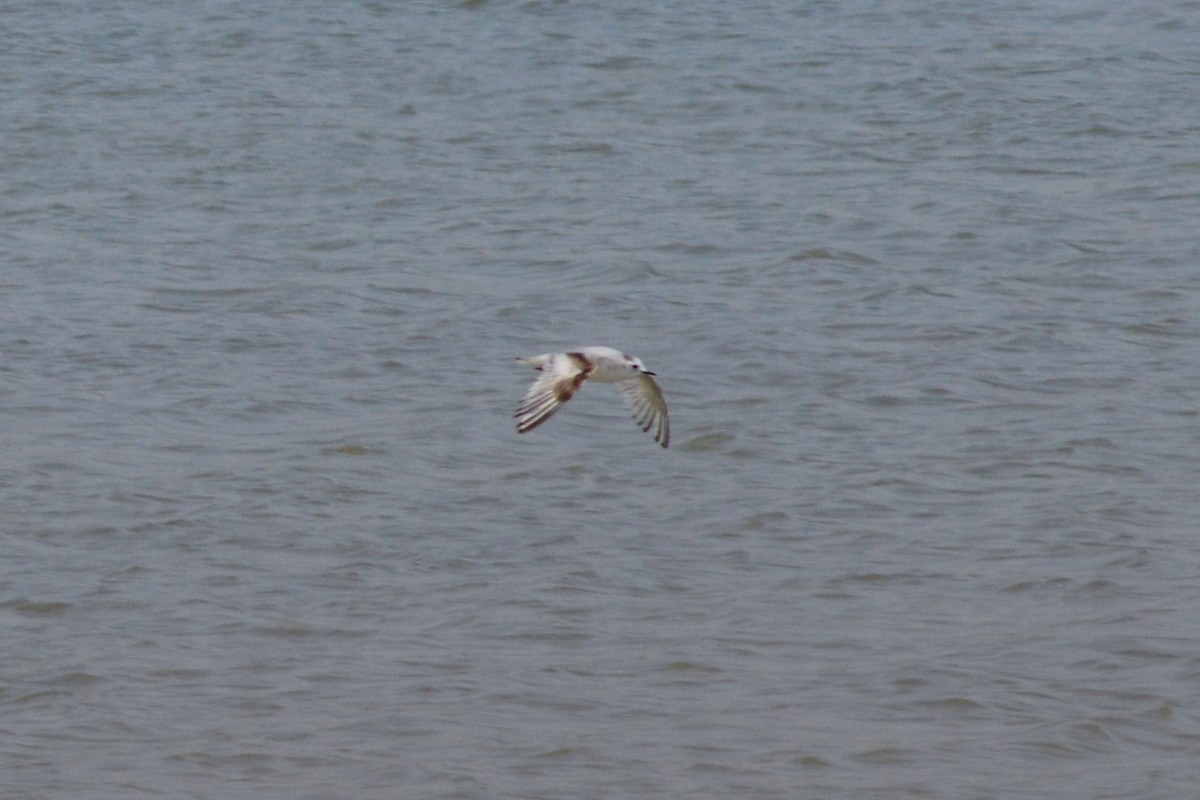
[(563, 374)]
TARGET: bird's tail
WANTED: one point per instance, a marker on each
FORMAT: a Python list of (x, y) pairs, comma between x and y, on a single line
[(537, 362)]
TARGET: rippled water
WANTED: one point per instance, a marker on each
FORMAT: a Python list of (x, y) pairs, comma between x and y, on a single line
[(920, 283)]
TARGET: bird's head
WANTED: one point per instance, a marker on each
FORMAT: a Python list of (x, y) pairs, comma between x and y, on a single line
[(636, 365)]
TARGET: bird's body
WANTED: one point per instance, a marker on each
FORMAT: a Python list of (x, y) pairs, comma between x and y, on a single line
[(563, 374)]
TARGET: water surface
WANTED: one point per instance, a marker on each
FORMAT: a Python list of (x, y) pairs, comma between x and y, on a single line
[(920, 285)]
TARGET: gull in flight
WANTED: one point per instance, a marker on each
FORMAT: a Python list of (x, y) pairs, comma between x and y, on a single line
[(563, 374)]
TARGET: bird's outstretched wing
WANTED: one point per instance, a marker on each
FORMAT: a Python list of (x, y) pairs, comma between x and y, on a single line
[(561, 377), (649, 408)]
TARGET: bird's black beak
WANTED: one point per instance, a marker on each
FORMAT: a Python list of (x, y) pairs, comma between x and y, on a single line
[(647, 372)]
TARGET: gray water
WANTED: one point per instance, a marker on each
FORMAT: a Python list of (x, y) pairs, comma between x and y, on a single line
[(920, 282)]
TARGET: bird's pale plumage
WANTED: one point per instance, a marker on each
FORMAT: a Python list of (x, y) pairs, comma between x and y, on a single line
[(563, 374)]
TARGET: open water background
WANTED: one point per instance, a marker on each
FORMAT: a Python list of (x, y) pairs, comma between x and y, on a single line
[(921, 281)]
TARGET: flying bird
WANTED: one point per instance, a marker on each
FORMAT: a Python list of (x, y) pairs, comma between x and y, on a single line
[(563, 374)]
